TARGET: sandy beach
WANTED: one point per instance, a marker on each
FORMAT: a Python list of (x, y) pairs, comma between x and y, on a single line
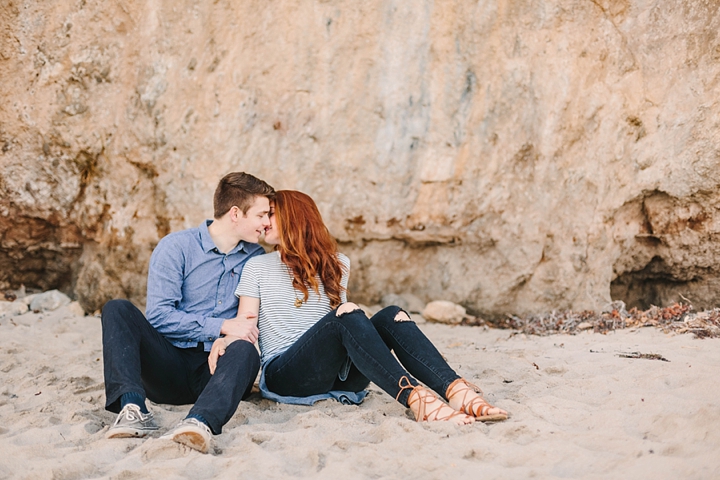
[(579, 410)]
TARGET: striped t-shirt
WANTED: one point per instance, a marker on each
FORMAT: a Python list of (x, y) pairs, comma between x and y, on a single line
[(280, 322)]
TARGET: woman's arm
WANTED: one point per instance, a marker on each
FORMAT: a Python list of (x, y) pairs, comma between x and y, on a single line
[(249, 306), (247, 311)]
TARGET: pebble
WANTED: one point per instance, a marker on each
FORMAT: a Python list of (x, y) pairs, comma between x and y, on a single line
[(10, 309), (442, 311), (75, 309), (51, 300)]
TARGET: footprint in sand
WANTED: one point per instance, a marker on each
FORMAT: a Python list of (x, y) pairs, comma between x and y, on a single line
[(479, 455), (260, 437), (556, 370), (154, 449), (6, 368), (71, 472), (93, 427), (84, 384), (520, 434)]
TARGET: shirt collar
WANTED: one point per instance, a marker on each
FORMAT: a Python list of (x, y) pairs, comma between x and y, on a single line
[(209, 246)]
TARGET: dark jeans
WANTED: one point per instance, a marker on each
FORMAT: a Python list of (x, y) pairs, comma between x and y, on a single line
[(311, 365), (137, 358)]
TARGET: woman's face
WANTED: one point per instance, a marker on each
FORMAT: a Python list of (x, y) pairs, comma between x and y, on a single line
[(272, 236)]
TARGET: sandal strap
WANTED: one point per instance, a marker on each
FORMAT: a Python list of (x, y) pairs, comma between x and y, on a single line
[(469, 385), (404, 387), (447, 417), (422, 394), (477, 406)]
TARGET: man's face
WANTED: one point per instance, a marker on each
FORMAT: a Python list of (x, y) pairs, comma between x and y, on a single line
[(255, 221)]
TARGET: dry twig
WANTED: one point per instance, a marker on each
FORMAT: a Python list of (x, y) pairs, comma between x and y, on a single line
[(677, 318)]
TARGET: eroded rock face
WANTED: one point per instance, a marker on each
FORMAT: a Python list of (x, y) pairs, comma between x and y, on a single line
[(669, 250), (508, 156)]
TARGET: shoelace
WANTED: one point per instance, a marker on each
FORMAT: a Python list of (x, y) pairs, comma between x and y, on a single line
[(132, 414)]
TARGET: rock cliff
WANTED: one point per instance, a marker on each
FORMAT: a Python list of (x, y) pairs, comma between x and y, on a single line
[(512, 156)]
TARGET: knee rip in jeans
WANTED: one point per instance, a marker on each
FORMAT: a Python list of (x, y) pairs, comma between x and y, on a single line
[(403, 316), (347, 308)]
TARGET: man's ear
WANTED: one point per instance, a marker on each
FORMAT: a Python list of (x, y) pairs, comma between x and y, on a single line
[(235, 213)]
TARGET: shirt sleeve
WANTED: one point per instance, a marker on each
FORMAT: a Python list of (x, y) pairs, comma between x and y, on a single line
[(345, 277), (164, 294), (249, 285)]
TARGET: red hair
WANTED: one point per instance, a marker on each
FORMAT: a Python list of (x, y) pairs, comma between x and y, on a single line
[(306, 245)]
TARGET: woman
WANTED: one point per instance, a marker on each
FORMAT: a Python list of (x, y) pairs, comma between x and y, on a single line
[(315, 344)]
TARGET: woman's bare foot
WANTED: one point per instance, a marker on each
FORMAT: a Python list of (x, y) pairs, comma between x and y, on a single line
[(428, 407), (463, 396)]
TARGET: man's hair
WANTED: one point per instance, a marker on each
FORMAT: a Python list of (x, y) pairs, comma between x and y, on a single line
[(239, 189)]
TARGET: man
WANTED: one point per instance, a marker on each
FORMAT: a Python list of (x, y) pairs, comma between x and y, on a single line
[(190, 302)]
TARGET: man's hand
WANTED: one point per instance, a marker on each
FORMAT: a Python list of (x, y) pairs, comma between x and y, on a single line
[(244, 327), (218, 350)]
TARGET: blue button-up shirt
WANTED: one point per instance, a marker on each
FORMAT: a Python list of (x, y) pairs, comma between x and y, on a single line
[(191, 286)]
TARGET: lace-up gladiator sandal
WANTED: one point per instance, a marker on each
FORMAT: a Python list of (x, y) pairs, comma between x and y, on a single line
[(427, 407), (472, 401)]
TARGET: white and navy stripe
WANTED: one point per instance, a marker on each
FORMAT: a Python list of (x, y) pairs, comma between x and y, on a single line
[(280, 322)]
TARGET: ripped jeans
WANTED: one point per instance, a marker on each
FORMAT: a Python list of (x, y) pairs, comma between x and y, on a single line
[(311, 365)]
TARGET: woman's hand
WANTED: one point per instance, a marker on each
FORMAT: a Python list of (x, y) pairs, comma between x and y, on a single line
[(218, 350), (243, 326)]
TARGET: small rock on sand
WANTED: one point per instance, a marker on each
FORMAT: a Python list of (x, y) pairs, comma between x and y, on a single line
[(75, 309), (10, 309), (442, 311), (51, 300)]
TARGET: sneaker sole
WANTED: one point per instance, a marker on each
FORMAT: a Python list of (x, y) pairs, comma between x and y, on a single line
[(126, 433), (193, 440)]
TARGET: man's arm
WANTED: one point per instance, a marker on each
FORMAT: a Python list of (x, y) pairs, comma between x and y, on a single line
[(164, 294)]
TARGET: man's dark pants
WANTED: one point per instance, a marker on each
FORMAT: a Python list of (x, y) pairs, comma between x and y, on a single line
[(137, 358)]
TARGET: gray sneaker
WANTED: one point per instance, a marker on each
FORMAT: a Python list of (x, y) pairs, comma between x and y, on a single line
[(193, 433), (131, 422)]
